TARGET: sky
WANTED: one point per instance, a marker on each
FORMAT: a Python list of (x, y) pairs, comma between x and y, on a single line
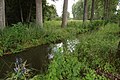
[(118, 6), (59, 6)]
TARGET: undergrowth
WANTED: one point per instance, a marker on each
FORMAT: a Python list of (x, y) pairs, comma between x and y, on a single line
[(67, 67), (96, 50), (99, 48)]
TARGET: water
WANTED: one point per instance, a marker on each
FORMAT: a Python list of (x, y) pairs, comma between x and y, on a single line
[(37, 57)]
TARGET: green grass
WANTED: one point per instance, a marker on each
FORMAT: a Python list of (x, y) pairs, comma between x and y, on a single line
[(96, 49)]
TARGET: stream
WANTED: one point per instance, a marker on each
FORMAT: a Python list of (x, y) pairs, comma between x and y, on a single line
[(37, 58)]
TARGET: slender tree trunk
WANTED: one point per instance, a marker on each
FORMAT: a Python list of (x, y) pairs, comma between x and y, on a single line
[(65, 13), (119, 22), (39, 19), (85, 11), (21, 12), (29, 15), (2, 14), (118, 51), (104, 13), (107, 9), (92, 10)]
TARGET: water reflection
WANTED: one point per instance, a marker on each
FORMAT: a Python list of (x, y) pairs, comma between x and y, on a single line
[(69, 45), (37, 57)]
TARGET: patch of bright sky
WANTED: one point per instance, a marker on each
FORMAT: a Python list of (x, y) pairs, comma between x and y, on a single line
[(59, 6), (118, 6)]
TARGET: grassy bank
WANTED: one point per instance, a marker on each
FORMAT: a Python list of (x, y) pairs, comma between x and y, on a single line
[(21, 36)]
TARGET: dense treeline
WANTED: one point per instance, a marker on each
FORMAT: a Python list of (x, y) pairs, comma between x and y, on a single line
[(25, 11), (99, 9)]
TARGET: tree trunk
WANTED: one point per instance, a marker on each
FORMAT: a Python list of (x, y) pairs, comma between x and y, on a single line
[(2, 14), (85, 11), (106, 7), (65, 13), (21, 12), (118, 51), (107, 10), (29, 15), (92, 10), (39, 19)]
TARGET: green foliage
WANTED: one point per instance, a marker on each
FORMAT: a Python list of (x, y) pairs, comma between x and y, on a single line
[(20, 72), (26, 12), (49, 12), (96, 49), (38, 77), (21, 36), (91, 76), (99, 48), (63, 67), (77, 10), (67, 67), (10, 38), (96, 24), (99, 9)]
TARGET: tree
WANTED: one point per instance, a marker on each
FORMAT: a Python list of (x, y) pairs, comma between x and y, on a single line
[(27, 12), (97, 9), (22, 12), (106, 9), (109, 9), (50, 12), (2, 14), (85, 11), (77, 10), (92, 10), (64, 15), (39, 18)]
